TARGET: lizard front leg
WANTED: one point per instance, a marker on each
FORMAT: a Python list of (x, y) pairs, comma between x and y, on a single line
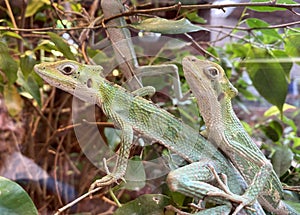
[(122, 160)]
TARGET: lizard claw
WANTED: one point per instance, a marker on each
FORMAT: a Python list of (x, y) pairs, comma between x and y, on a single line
[(222, 182), (244, 200), (105, 181)]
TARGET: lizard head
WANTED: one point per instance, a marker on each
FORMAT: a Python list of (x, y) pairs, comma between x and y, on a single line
[(206, 74), (78, 79), (209, 84)]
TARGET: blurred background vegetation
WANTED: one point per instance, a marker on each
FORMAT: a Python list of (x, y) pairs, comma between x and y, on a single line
[(256, 42)]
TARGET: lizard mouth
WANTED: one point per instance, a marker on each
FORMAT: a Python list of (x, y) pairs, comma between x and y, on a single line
[(55, 79)]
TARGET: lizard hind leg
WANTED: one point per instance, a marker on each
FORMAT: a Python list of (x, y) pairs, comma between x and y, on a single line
[(193, 180), (201, 181)]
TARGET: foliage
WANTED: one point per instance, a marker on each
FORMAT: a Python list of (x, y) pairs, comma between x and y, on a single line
[(14, 199), (50, 32)]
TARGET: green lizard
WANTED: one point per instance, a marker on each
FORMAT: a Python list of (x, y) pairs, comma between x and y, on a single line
[(214, 92), (131, 112)]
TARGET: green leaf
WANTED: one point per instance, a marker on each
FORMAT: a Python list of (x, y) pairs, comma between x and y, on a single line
[(12, 34), (292, 31), (113, 137), (14, 200), (292, 46), (266, 35), (267, 76), (149, 204), (238, 50), (282, 159), (30, 85), (284, 60), (45, 45), (7, 64), (34, 5), (273, 111), (27, 62), (290, 122), (270, 9), (165, 26), (12, 100), (247, 127), (294, 205), (62, 45), (195, 18), (273, 130)]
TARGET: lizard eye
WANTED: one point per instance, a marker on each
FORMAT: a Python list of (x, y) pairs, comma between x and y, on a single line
[(67, 69), (212, 72)]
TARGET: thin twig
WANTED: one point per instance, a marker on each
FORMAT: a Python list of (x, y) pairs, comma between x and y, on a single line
[(11, 15), (202, 49), (60, 210), (289, 7)]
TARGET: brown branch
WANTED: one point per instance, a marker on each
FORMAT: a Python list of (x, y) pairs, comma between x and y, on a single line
[(289, 7), (173, 7)]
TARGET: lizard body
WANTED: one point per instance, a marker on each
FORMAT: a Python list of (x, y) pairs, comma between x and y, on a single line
[(214, 92), (131, 112)]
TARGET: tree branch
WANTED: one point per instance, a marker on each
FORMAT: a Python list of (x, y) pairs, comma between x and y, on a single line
[(289, 7)]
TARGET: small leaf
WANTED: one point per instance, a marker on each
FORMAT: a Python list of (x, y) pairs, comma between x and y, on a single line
[(294, 205), (270, 9), (290, 122), (267, 35), (247, 127), (62, 45), (165, 26), (7, 64), (27, 62), (282, 159), (273, 111), (195, 18), (292, 46), (284, 60), (12, 100), (149, 204), (34, 6), (31, 86), (12, 34), (238, 50), (45, 45), (273, 130), (267, 76), (113, 137), (14, 200), (277, 127)]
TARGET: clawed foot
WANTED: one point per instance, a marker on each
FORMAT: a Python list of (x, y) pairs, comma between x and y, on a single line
[(243, 201), (222, 182), (105, 181)]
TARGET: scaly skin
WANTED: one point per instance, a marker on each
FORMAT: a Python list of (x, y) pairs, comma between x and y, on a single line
[(131, 112), (214, 92)]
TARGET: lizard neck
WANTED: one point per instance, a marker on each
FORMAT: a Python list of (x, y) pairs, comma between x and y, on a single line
[(228, 116), (222, 119)]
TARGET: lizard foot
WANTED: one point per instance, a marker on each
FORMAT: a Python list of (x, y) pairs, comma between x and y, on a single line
[(105, 181), (222, 182), (243, 201)]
